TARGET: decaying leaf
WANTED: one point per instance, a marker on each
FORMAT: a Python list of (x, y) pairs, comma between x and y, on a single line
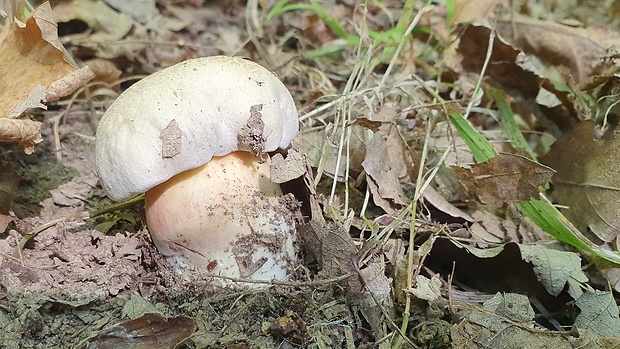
[(110, 25), (425, 288), (502, 66), (511, 268), (33, 71), (506, 322), (31, 58), (555, 269), (599, 313), (512, 306), (390, 166), (580, 49), (293, 166), (375, 297), (503, 179), (588, 180), (150, 331), (26, 132), (322, 145), (334, 250)]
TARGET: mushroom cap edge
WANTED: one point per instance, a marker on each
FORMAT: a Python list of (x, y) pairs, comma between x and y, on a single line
[(207, 101)]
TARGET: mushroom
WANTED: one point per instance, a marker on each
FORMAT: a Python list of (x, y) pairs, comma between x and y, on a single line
[(193, 137)]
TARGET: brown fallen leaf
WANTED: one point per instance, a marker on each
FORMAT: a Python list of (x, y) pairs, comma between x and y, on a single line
[(30, 58), (150, 331), (107, 24), (502, 67), (23, 131), (588, 179), (285, 169), (390, 166), (105, 71), (34, 71), (582, 50), (322, 149), (333, 248), (469, 11), (503, 179)]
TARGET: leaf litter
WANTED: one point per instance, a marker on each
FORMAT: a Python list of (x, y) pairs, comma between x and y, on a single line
[(469, 264)]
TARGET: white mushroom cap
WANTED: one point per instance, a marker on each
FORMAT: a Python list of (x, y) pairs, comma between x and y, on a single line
[(179, 118)]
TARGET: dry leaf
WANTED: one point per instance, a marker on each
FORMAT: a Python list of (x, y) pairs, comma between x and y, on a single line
[(150, 331), (23, 131), (334, 249), (390, 165), (503, 179), (33, 70), (439, 202), (29, 60), (68, 84), (321, 145), (293, 166), (108, 24), (580, 49), (469, 11), (588, 179), (502, 65), (375, 296), (142, 11), (105, 71), (425, 288)]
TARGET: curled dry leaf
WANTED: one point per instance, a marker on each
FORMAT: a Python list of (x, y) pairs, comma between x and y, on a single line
[(580, 49), (23, 131), (105, 71), (33, 71), (503, 179), (502, 65), (390, 166), (68, 84)]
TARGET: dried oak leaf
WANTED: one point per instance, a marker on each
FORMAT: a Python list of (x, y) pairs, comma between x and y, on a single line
[(33, 71), (503, 179)]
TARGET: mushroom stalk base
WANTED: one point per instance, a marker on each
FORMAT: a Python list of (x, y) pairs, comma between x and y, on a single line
[(224, 218)]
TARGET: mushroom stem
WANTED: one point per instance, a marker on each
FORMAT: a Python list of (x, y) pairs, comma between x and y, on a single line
[(224, 218)]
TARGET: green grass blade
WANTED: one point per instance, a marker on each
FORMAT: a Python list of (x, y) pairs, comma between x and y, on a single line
[(509, 123), (479, 146), (553, 222), (283, 6)]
